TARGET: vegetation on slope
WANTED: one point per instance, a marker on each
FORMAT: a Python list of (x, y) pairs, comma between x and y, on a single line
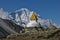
[(34, 34)]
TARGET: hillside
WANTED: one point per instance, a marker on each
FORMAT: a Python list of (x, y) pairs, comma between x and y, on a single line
[(34, 34), (8, 27), (24, 24)]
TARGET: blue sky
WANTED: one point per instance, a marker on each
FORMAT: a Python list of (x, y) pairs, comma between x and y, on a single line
[(48, 9)]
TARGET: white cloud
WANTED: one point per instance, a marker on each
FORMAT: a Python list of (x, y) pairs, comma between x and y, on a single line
[(33, 24), (3, 14), (44, 23)]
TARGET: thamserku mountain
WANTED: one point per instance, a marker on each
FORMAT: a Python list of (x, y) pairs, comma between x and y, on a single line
[(14, 22)]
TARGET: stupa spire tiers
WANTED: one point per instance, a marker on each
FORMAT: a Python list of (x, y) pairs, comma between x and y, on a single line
[(33, 16), (33, 20)]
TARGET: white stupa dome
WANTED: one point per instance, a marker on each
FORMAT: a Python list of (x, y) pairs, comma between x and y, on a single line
[(33, 20), (33, 24)]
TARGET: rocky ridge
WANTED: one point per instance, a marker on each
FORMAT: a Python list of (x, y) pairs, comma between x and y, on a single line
[(36, 33)]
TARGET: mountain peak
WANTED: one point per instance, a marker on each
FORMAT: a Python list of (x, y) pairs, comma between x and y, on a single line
[(23, 15)]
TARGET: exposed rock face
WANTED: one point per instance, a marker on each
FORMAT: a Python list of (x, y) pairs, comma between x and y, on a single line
[(8, 27), (3, 33), (13, 26), (27, 33), (36, 33)]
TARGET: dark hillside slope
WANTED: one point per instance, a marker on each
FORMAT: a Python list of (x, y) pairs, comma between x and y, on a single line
[(8, 27), (13, 26), (34, 34)]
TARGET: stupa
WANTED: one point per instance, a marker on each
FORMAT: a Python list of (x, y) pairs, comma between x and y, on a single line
[(33, 20)]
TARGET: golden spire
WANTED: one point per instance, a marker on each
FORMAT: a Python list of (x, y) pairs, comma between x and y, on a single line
[(33, 16)]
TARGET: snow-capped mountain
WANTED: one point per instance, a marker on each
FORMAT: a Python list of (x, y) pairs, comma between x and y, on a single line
[(7, 25), (14, 22), (21, 17)]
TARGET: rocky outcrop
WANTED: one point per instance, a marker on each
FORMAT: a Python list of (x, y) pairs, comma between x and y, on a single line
[(8, 27), (27, 33), (36, 34)]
